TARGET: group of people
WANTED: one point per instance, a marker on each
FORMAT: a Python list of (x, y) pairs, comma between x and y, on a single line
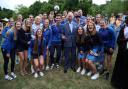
[(80, 43)]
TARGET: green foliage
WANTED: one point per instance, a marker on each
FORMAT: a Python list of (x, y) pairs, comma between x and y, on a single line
[(5, 13), (23, 10), (112, 6), (45, 7), (70, 5), (116, 6), (35, 8)]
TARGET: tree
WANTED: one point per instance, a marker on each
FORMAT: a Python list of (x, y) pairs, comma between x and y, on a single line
[(5, 13), (35, 8), (45, 7), (22, 10)]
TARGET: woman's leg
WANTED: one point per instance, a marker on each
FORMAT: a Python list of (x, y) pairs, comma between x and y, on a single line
[(94, 70), (52, 51), (41, 62), (79, 66), (21, 56), (93, 67), (36, 65), (47, 60), (32, 66), (109, 60), (87, 64), (83, 66), (25, 61), (12, 55), (6, 61), (83, 63)]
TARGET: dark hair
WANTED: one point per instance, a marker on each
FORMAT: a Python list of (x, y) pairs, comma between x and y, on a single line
[(58, 15), (35, 49), (80, 39)]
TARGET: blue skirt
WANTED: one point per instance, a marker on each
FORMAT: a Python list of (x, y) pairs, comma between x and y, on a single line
[(92, 57)]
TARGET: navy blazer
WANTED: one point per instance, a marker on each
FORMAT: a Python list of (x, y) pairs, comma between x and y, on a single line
[(70, 40)]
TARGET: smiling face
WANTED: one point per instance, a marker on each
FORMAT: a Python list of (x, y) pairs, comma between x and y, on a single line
[(91, 27), (28, 23), (31, 18), (37, 20), (63, 18), (58, 19), (18, 25), (39, 33), (19, 18), (70, 16), (89, 19), (46, 23), (80, 30), (45, 16), (102, 24), (98, 18)]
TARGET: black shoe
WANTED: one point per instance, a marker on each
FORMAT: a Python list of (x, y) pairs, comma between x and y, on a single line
[(73, 69), (107, 76), (103, 71), (65, 71)]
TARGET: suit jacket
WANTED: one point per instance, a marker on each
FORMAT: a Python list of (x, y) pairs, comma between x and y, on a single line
[(70, 40)]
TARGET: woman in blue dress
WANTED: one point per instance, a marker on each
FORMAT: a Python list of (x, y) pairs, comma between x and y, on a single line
[(94, 46), (36, 49)]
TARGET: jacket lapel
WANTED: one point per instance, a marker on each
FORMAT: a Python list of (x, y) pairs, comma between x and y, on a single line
[(68, 28)]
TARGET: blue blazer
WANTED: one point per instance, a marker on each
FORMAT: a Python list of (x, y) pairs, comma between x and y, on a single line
[(70, 40), (56, 34), (8, 42), (47, 35), (108, 37)]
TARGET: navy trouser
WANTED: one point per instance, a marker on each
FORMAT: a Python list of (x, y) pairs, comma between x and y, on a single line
[(6, 60), (70, 57), (58, 51)]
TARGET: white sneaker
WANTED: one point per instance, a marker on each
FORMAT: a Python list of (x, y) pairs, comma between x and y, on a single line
[(7, 77), (83, 71), (47, 67), (95, 76), (78, 70), (57, 66), (32, 69), (36, 75), (13, 75), (89, 73), (52, 66), (41, 74)]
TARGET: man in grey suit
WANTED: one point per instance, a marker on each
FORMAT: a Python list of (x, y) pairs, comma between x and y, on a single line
[(69, 36)]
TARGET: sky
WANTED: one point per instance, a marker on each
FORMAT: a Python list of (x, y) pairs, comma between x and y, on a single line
[(11, 4)]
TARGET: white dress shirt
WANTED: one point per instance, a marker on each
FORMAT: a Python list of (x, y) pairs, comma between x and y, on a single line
[(126, 32), (71, 26)]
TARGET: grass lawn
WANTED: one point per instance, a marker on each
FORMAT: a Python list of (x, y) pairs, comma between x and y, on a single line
[(53, 79)]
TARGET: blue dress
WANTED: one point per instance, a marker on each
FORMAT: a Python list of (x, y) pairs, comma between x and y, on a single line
[(93, 57)]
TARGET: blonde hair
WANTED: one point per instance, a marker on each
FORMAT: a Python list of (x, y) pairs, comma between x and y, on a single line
[(94, 29), (24, 24)]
